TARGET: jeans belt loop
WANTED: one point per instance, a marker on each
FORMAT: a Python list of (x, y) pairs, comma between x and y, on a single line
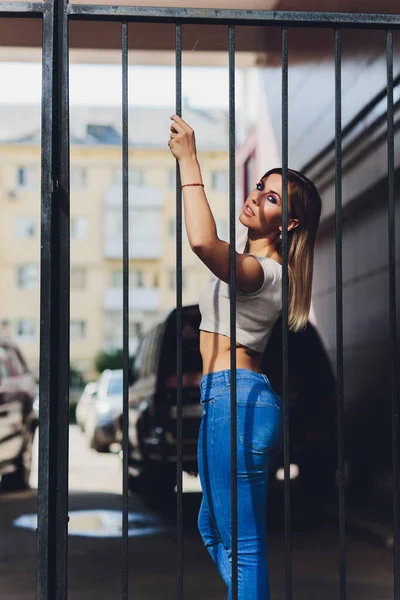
[(227, 377)]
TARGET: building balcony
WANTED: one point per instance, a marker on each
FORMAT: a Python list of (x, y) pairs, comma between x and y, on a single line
[(138, 248), (145, 222), (140, 299)]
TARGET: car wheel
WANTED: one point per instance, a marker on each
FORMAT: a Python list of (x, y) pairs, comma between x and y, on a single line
[(19, 479), (92, 438), (98, 446)]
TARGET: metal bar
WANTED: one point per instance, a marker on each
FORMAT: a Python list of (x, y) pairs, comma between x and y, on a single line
[(232, 281), (179, 465), (23, 9), (54, 332), (125, 310), (339, 312), (393, 315), (285, 305), (203, 16)]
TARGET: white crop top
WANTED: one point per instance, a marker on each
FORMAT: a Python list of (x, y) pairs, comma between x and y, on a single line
[(256, 313)]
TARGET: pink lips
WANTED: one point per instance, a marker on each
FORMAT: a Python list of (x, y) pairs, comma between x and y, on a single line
[(248, 211)]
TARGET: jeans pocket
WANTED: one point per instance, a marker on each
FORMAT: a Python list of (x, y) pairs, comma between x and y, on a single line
[(205, 402), (258, 426)]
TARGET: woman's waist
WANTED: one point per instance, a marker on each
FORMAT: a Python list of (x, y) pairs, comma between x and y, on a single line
[(215, 352)]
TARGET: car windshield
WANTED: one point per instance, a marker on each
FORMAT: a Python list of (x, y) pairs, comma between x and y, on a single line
[(191, 358), (115, 386)]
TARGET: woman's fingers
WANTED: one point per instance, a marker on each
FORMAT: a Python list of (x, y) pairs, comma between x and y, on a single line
[(180, 125)]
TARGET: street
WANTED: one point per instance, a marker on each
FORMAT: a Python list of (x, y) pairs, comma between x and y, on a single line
[(95, 548)]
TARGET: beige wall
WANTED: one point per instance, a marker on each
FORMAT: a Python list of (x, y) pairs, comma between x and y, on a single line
[(87, 203)]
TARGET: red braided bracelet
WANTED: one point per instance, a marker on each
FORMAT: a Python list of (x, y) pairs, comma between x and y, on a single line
[(192, 184)]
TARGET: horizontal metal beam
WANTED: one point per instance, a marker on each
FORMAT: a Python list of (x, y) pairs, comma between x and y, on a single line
[(234, 17), (25, 9), (206, 16)]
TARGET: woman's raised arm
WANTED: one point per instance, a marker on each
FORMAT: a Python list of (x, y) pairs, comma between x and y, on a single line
[(199, 220)]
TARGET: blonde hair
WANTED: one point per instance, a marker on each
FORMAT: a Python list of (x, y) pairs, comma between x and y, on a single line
[(304, 205)]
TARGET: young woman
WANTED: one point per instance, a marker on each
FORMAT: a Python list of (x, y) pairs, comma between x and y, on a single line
[(258, 306)]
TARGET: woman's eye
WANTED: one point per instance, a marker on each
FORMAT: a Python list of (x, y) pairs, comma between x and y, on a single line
[(271, 198)]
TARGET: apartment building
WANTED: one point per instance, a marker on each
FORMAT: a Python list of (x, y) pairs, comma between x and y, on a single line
[(96, 223)]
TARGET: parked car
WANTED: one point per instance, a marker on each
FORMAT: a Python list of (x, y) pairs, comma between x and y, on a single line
[(311, 397), (103, 412), (85, 402), (18, 418), (152, 405), (153, 411)]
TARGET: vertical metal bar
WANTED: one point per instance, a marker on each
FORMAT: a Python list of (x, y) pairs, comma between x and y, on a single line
[(52, 532), (125, 310), (339, 313), (179, 499), (232, 280), (393, 315), (285, 318)]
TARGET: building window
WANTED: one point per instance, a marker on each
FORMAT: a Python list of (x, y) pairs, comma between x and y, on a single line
[(135, 329), (78, 178), (25, 227), (78, 330), (171, 229), (172, 279), (156, 280), (27, 277), (26, 328), (220, 181), (78, 278), (116, 278), (28, 177), (79, 229), (136, 278), (136, 177)]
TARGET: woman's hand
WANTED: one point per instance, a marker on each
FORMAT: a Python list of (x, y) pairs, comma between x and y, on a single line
[(182, 142)]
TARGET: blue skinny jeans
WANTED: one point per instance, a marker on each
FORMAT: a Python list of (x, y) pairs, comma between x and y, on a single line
[(259, 441)]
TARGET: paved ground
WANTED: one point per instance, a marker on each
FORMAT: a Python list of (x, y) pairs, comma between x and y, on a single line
[(95, 563)]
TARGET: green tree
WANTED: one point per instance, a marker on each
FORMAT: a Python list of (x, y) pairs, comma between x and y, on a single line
[(110, 359)]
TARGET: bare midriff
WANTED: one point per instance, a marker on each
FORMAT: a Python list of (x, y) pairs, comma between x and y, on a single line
[(215, 352)]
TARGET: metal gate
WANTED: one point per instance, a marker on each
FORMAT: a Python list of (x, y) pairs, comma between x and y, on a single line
[(52, 531)]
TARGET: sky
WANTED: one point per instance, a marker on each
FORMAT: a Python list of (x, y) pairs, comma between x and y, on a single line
[(100, 85)]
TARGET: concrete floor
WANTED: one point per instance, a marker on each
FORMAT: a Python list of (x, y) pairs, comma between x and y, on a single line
[(95, 563)]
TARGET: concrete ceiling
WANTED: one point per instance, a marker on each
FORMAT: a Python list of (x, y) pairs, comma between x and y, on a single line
[(155, 43)]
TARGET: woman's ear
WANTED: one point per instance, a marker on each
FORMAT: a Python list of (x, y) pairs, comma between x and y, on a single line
[(293, 223)]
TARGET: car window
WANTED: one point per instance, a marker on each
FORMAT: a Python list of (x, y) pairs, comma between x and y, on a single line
[(115, 386), (144, 357), (5, 367), (17, 368), (138, 361), (159, 332), (191, 358)]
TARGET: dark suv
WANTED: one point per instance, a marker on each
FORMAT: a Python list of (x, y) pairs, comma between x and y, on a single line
[(152, 405), (153, 396), (18, 419)]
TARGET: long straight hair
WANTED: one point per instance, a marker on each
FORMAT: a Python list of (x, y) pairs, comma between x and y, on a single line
[(304, 204)]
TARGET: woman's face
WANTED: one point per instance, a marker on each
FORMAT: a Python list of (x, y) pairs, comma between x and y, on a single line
[(262, 211)]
